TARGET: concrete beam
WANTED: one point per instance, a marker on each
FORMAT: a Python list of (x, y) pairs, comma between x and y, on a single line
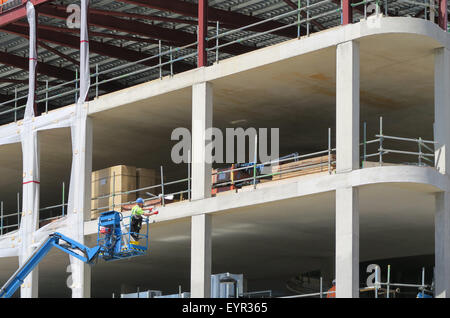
[(201, 256), (347, 243), (347, 106), (202, 114)]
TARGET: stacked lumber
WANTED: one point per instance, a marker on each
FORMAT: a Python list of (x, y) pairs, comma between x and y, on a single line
[(305, 167)]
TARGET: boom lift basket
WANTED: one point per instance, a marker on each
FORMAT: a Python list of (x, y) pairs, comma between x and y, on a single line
[(115, 237)]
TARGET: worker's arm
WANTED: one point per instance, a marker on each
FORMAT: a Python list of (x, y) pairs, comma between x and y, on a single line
[(151, 212)]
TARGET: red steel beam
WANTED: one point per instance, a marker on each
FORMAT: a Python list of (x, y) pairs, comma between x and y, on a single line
[(347, 12), (173, 37), (443, 14), (94, 46), (227, 17), (202, 58), (43, 68)]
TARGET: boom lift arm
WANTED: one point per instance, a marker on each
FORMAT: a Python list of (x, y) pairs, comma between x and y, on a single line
[(65, 244)]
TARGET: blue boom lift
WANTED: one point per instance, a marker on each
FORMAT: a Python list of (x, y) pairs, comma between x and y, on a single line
[(114, 242)]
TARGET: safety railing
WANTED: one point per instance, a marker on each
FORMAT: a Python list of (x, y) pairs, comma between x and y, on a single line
[(242, 34), (164, 63), (167, 191), (254, 172), (378, 288), (424, 149)]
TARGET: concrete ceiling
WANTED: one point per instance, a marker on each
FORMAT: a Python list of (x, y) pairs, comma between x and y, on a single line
[(269, 243)]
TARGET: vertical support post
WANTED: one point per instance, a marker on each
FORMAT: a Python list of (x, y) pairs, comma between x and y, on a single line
[(329, 150), (201, 256), (171, 61), (18, 209), (442, 163), (189, 175), (443, 14), (347, 159), (63, 199), (15, 104), (114, 191), (162, 186), (299, 16), (321, 287), (381, 142), (1, 218), (96, 80), (388, 282), (202, 58), (76, 85), (217, 42), (364, 144), (307, 18), (160, 59), (255, 158), (46, 96), (376, 281), (347, 12)]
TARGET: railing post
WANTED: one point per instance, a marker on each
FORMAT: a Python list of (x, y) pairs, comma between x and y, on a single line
[(96, 80), (321, 288), (114, 191), (255, 158), (76, 85), (15, 104), (329, 150), (1, 218), (18, 210), (160, 60), (364, 143), (46, 96), (171, 62), (217, 42), (420, 151), (63, 198), (381, 141), (299, 5), (388, 281), (189, 175), (162, 187), (307, 18)]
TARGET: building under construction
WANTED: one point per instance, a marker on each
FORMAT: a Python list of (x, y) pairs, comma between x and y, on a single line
[(358, 196)]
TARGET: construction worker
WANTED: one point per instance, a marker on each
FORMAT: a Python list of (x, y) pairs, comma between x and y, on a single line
[(136, 217), (332, 290)]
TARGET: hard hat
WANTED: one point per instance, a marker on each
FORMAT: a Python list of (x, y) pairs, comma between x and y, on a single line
[(140, 200), (334, 282)]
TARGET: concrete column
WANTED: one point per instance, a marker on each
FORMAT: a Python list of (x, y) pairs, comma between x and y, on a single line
[(347, 159), (347, 243), (202, 108), (201, 256), (30, 206), (442, 162), (202, 113), (347, 106), (80, 197)]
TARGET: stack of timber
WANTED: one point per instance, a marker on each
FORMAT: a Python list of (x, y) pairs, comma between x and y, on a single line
[(302, 167)]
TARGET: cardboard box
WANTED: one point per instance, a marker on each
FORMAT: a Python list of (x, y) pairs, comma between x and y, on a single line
[(146, 178), (113, 180)]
